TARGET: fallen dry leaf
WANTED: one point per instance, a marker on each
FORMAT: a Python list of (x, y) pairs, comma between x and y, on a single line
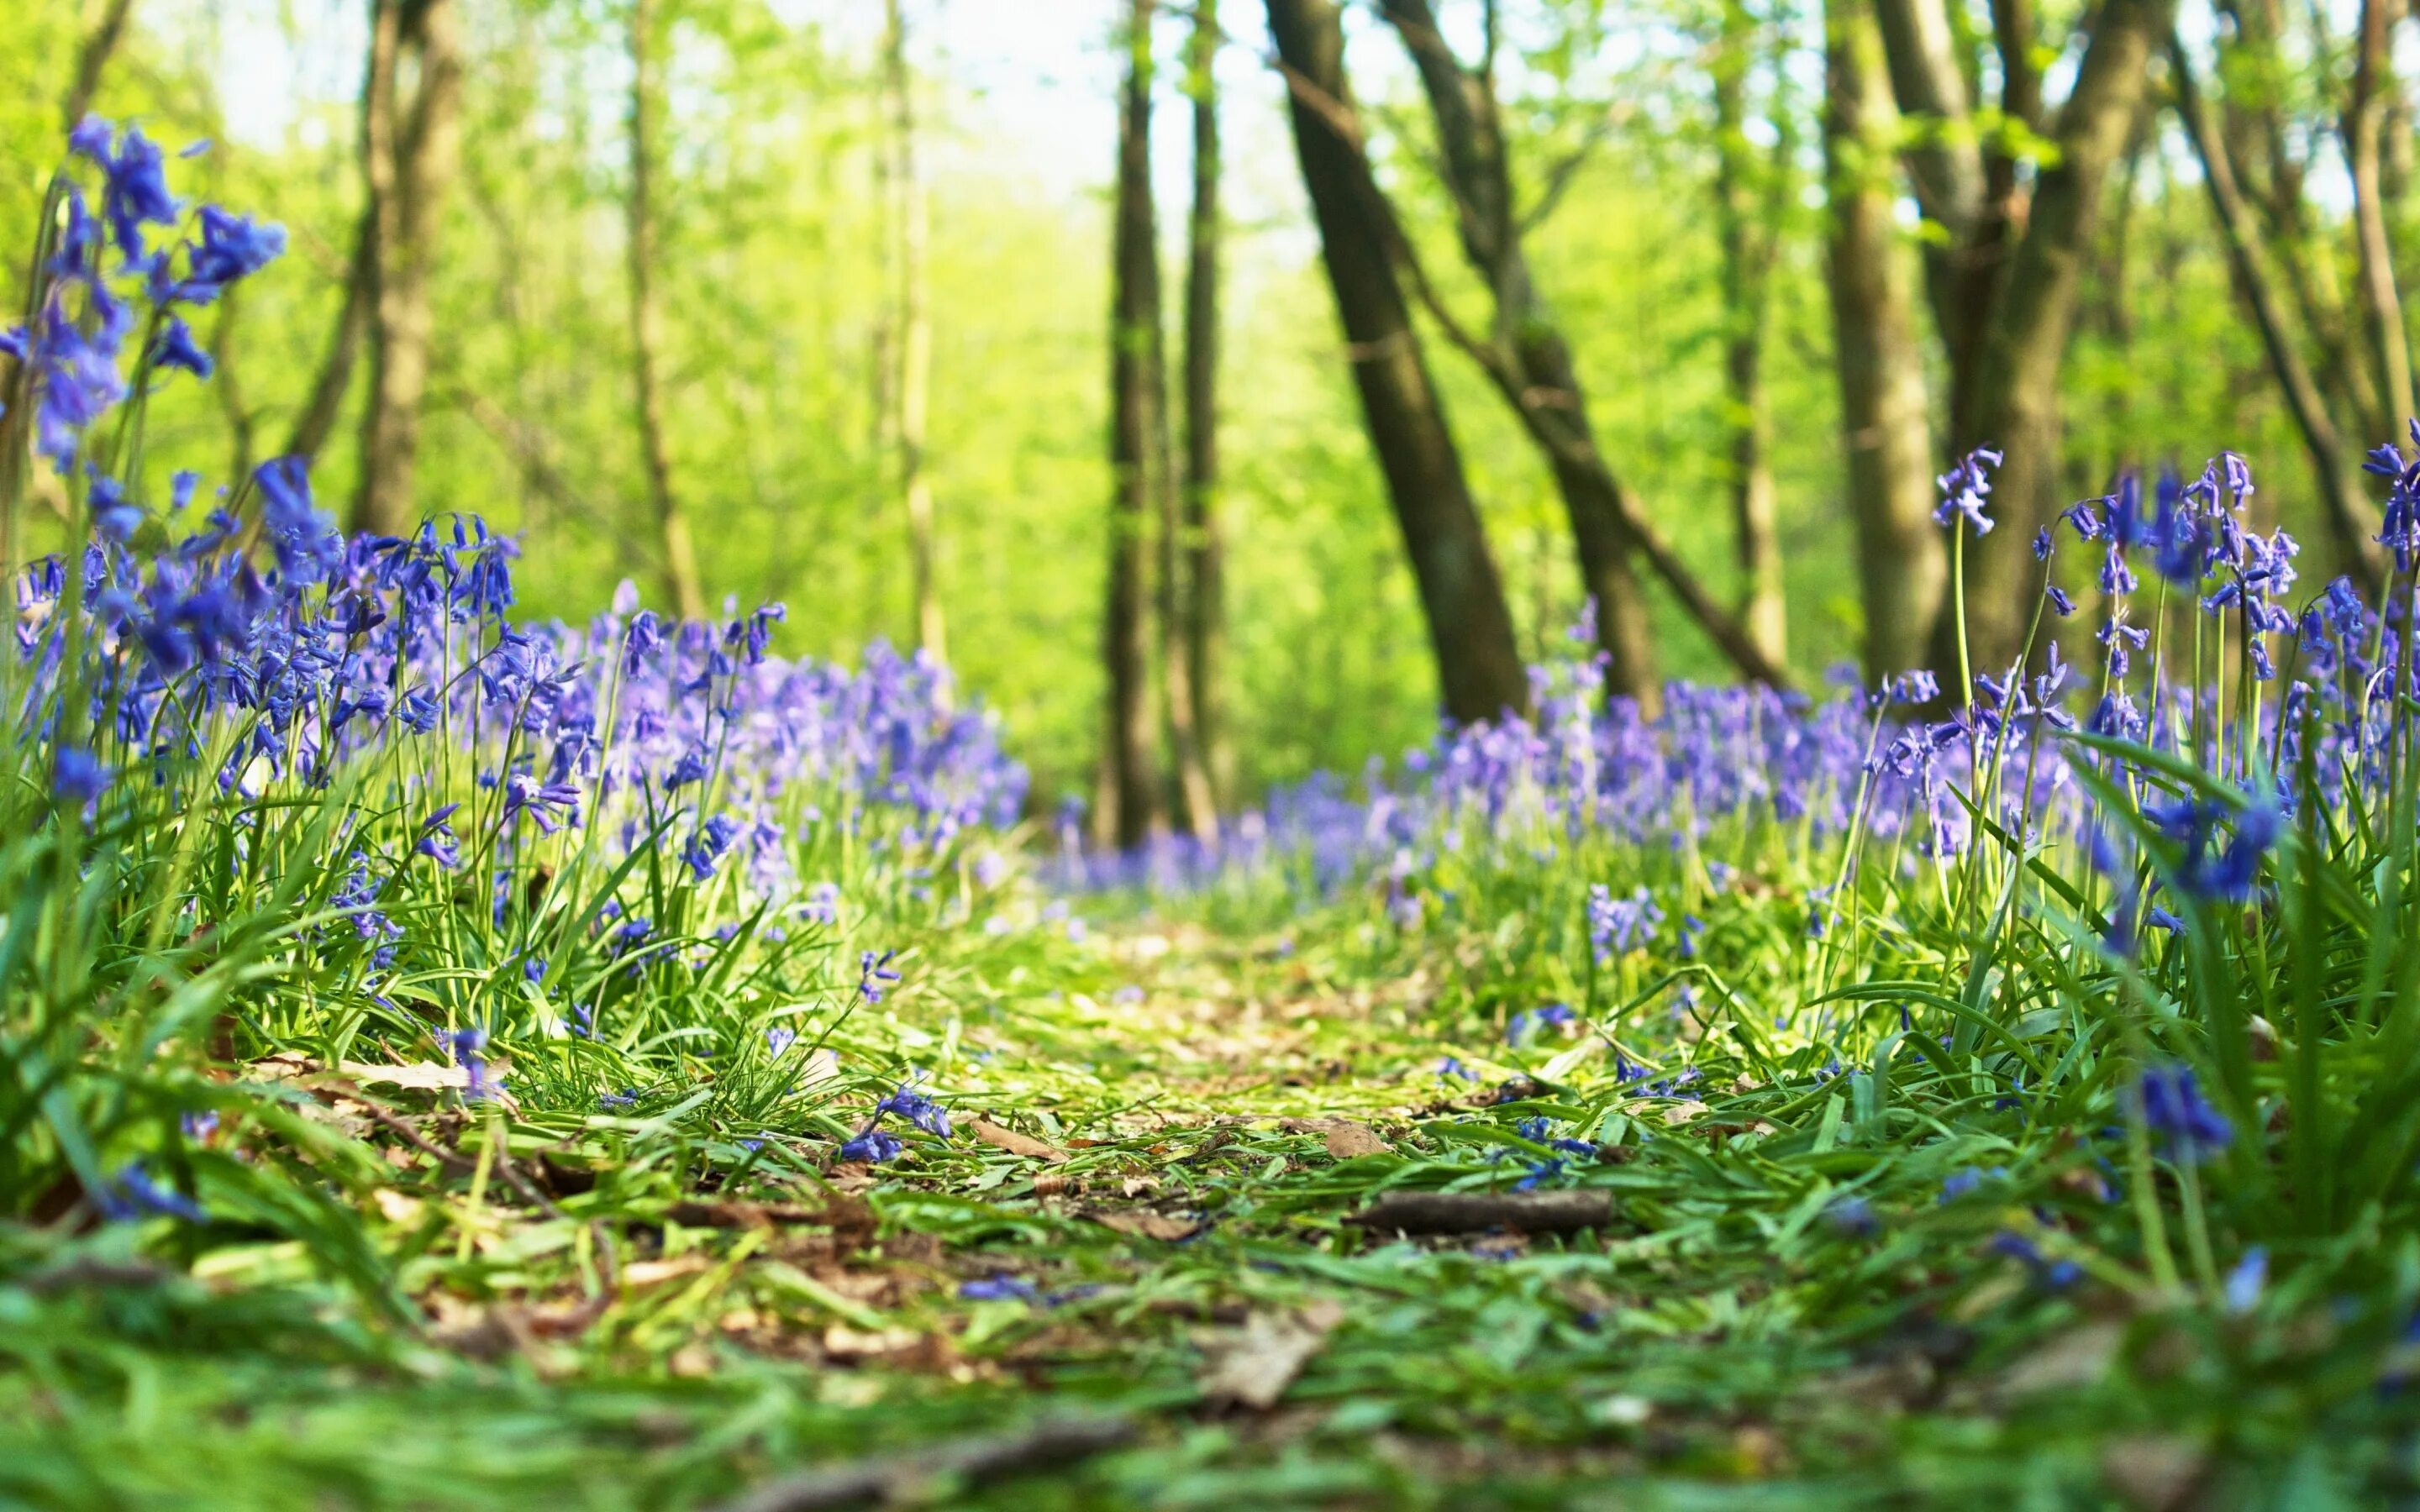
[(648, 1272), (1252, 1366), (2078, 1357), (2154, 1470), (1346, 1140), (1144, 1224), (1014, 1143), (842, 1340), (398, 1209)]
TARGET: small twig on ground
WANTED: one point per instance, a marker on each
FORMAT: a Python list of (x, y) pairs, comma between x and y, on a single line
[(1046, 1444)]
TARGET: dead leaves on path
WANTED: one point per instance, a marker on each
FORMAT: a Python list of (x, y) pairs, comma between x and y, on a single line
[(1252, 1366)]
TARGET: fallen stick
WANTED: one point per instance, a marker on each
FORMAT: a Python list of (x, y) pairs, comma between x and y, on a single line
[(1049, 1444), (1476, 1212)]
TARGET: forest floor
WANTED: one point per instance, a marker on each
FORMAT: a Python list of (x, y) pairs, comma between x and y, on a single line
[(1132, 1276)]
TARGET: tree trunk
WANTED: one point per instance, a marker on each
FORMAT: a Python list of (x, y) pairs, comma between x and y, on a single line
[(2014, 403), (1130, 756), (317, 419), (1747, 254), (1479, 664), (412, 162), (913, 218), (2373, 82), (1478, 177), (2351, 518), (1877, 352), (92, 57), (1206, 571), (679, 557)]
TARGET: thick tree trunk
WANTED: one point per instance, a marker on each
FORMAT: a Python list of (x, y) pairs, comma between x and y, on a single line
[(1740, 207), (1479, 664), (2373, 82), (1205, 597), (2351, 521), (2015, 399), (413, 153), (913, 218), (677, 554), (1130, 756), (1877, 352)]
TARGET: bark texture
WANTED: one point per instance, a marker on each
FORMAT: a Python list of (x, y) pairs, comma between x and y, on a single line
[(412, 141), (1131, 809), (912, 218), (677, 558), (1205, 598), (1877, 352), (1471, 629)]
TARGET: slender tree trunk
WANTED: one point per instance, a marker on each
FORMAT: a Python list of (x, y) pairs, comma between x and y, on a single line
[(2351, 520), (1130, 756), (1205, 596), (92, 57), (1747, 260), (2373, 82), (227, 379), (1479, 663), (2014, 403), (413, 153), (317, 419), (679, 556), (913, 218), (1877, 352)]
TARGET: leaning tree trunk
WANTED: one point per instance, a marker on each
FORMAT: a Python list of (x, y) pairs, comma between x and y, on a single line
[(412, 162), (678, 556), (1206, 595), (1748, 256), (2351, 518), (1479, 663), (913, 218), (2373, 84), (2014, 403), (1130, 756), (1877, 352), (92, 57)]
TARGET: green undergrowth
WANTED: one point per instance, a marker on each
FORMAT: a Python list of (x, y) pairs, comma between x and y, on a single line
[(1806, 1292)]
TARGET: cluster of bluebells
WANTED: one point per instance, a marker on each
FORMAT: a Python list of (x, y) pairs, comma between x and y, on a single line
[(875, 1144)]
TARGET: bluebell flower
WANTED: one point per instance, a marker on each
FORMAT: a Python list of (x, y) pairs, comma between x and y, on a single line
[(1540, 1173), (872, 1145), (1452, 1066), (1852, 1217), (176, 348), (232, 247), (1964, 489), (2173, 1107), (468, 1043), (999, 1288), (2246, 1279), (874, 975), (917, 1109), (779, 1038), (81, 777), (132, 1195)]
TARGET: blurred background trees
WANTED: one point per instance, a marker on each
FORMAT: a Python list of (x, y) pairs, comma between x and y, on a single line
[(1226, 387)]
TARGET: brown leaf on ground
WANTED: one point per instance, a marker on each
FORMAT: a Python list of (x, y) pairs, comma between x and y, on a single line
[(1252, 1366), (1018, 1144), (2154, 1470), (1347, 1140), (1144, 1224), (2079, 1357)]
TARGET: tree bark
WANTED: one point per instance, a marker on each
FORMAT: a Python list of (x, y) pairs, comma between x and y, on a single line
[(1478, 178), (411, 166), (1877, 352), (2373, 82), (92, 57), (2015, 399), (678, 556), (913, 218), (1205, 597), (1741, 210), (2351, 521), (1130, 756), (317, 419), (1479, 664)]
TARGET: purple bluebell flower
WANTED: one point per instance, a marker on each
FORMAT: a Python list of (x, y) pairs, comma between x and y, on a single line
[(1964, 489), (873, 976), (81, 777), (872, 1145), (2171, 1101)]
